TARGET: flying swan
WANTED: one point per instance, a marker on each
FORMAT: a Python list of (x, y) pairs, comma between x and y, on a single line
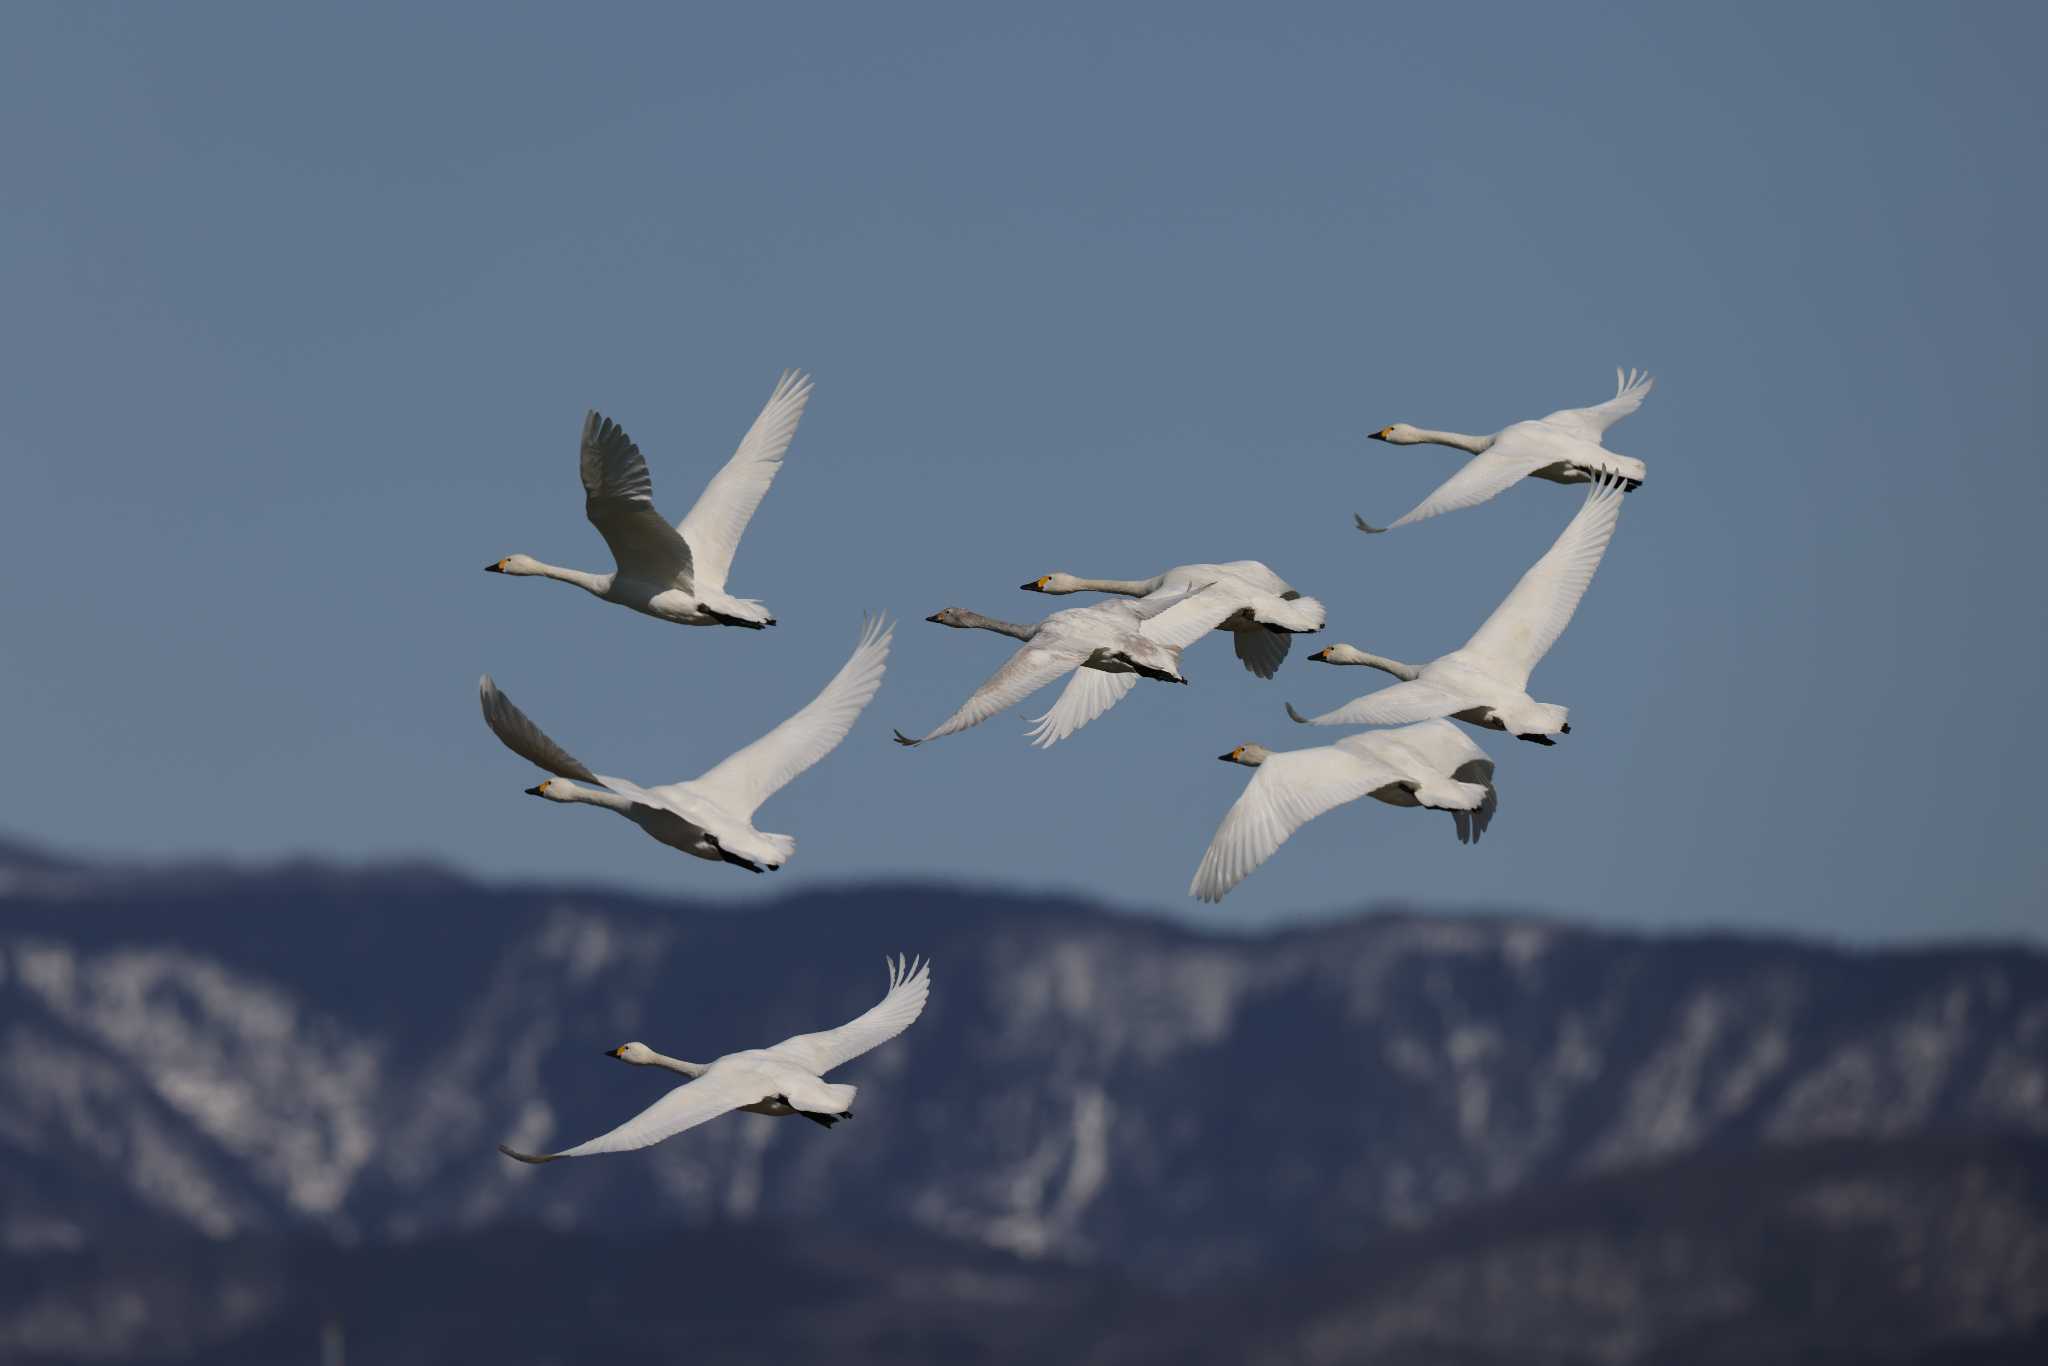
[(1258, 630), (711, 816), (1107, 646), (1563, 448), (1431, 763), (676, 573), (1485, 681), (784, 1080)]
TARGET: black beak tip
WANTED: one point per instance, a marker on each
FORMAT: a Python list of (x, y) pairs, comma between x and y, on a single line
[(1031, 587), (1377, 436), (533, 791), (1226, 758), (934, 617), (493, 568)]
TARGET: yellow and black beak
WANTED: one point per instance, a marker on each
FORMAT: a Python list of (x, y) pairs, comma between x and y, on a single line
[(538, 790), (1381, 434), (1231, 757), (497, 567), (1322, 654), (1036, 585), (618, 1052), (935, 617)]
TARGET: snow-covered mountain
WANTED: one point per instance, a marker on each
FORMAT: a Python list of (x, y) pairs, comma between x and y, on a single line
[(307, 1050)]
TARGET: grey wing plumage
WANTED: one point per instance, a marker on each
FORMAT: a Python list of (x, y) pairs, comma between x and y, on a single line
[(518, 733)]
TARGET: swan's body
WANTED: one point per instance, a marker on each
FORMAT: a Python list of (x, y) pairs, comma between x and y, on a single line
[(676, 573), (1485, 682), (1107, 646), (1272, 611), (1564, 448), (1431, 763), (787, 1079), (712, 816)]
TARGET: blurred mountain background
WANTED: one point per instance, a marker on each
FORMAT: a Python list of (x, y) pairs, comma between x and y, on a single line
[(249, 1114)]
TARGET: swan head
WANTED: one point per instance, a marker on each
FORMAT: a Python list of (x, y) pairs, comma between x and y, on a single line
[(1251, 756), (1339, 654), (514, 564), (1053, 583), (1400, 434), (952, 616), (553, 789), (638, 1054)]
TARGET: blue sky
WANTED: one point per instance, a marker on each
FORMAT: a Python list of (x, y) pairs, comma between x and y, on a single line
[(302, 311)]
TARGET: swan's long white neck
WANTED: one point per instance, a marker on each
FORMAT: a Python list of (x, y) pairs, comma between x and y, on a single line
[(1130, 588), (688, 1069), (1407, 673), (597, 584), (976, 621), (1422, 436), (573, 793)]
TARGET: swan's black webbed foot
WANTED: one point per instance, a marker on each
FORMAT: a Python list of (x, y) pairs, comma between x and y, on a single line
[(814, 1117), (1537, 739)]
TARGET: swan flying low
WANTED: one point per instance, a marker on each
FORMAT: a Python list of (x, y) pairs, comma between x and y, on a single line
[(787, 1079)]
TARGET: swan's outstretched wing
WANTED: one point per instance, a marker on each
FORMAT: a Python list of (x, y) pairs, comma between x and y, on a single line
[(715, 525), (525, 739), (618, 498), (1022, 674), (1530, 619), (819, 1053), (1088, 694), (1286, 792), (1391, 706), (691, 1104), (745, 779), (1591, 424), (1506, 462)]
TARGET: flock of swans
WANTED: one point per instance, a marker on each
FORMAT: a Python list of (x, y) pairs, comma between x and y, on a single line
[(1417, 758)]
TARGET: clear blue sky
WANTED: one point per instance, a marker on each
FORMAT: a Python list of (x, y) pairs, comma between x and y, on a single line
[(302, 310)]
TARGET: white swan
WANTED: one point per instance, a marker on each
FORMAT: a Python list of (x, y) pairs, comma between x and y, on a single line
[(1107, 646), (1563, 448), (1258, 630), (1485, 682), (676, 572), (711, 816), (1431, 763), (784, 1080)]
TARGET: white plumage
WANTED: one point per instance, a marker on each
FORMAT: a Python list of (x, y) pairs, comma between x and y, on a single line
[(1485, 682), (1564, 448), (677, 572), (1123, 641), (787, 1079), (1259, 630), (1431, 763), (712, 816)]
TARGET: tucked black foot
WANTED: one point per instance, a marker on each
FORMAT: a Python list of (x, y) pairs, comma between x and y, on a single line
[(814, 1117), (1537, 739)]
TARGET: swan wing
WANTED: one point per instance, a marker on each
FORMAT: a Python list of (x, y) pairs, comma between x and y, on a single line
[(618, 498), (1262, 651), (715, 525), (1286, 792), (1591, 424), (745, 779), (1196, 614), (1483, 477), (1088, 694), (518, 733), (909, 983), (1530, 619), (1443, 745), (715, 1093), (1396, 705), (1022, 674)]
